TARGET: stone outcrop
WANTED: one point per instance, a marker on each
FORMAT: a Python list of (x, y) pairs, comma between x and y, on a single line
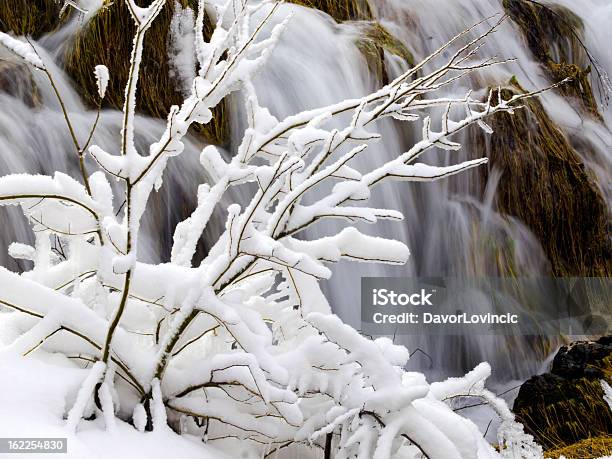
[(566, 406)]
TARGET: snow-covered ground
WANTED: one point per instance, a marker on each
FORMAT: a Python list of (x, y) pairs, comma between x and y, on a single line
[(41, 392)]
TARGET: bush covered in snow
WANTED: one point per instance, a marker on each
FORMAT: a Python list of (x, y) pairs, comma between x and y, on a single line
[(243, 349)]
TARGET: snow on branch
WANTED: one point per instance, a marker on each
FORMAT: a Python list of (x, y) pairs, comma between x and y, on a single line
[(22, 49), (102, 76), (60, 204)]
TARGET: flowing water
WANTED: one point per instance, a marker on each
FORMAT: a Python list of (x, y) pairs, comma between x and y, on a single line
[(452, 228)]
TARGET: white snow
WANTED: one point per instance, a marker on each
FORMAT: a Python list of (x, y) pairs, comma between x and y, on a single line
[(102, 76), (22, 251), (36, 410), (181, 52), (22, 49)]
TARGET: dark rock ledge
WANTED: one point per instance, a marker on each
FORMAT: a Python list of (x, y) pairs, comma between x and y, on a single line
[(565, 409)]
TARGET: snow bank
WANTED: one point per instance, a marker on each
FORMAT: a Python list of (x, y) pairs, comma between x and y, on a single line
[(41, 391)]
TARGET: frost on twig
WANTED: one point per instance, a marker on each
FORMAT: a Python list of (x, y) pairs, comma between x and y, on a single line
[(21, 49), (102, 76), (244, 344)]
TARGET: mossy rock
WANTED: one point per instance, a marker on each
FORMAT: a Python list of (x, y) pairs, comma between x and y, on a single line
[(552, 35), (29, 17), (340, 10), (561, 412), (585, 449), (546, 186), (374, 40), (107, 39), (566, 406)]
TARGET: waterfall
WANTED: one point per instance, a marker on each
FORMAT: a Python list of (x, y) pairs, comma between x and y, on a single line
[(446, 223), (452, 228)]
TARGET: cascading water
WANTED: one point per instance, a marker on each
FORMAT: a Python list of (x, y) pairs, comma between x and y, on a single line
[(318, 63), (446, 225)]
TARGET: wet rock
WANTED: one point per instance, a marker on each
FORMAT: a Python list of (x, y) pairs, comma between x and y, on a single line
[(554, 36), (546, 185), (566, 405), (374, 41), (16, 80), (340, 10), (29, 17), (583, 359)]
